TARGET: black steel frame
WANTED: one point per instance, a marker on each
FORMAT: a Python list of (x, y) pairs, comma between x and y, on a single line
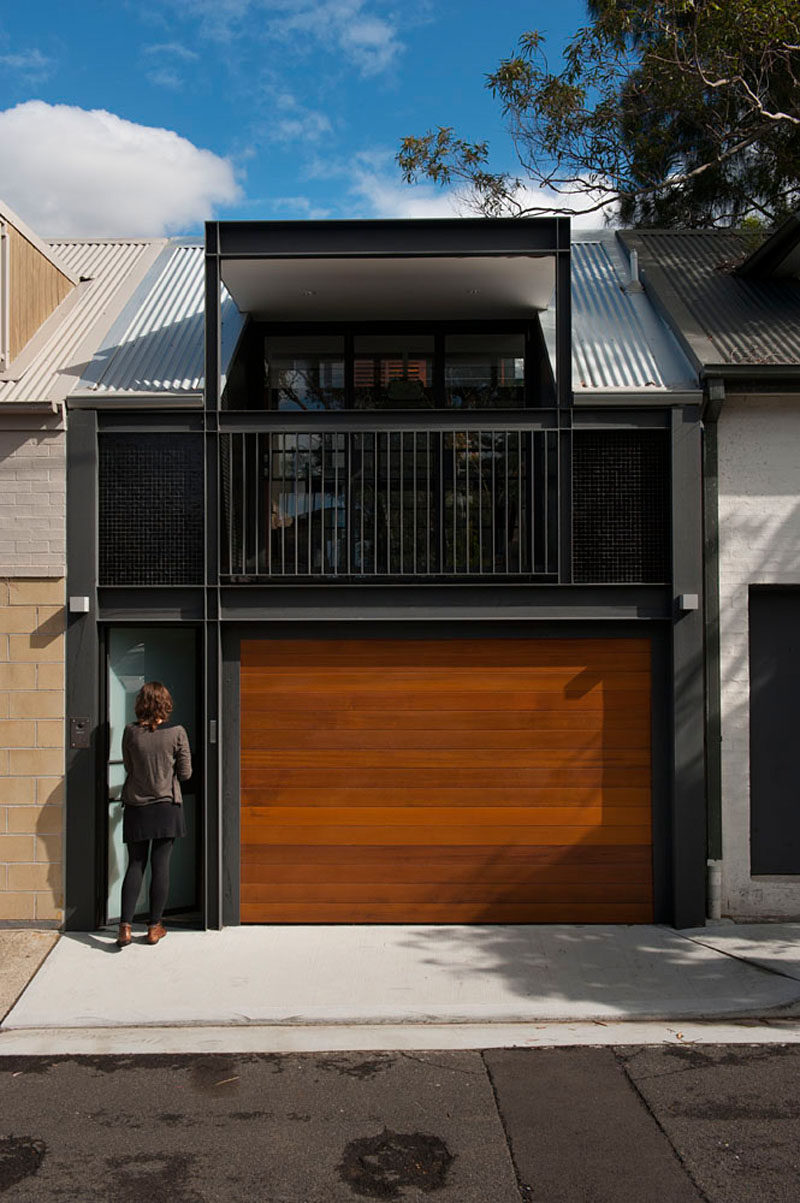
[(222, 612)]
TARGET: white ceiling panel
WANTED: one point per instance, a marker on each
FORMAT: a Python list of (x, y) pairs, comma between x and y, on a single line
[(385, 289)]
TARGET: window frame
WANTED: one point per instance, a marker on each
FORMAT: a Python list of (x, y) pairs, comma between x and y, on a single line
[(540, 385)]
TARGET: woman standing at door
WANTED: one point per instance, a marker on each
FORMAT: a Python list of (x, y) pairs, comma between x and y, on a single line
[(156, 759)]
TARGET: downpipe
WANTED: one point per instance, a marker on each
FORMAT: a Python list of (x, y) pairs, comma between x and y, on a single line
[(714, 889)]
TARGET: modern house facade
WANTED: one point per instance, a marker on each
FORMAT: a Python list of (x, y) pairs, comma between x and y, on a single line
[(56, 301), (736, 312), (409, 517)]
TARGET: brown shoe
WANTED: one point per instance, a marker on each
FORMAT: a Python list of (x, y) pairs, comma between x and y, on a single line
[(124, 935), (155, 932)]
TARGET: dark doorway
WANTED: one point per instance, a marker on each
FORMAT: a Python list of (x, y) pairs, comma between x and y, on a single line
[(136, 654), (774, 729)]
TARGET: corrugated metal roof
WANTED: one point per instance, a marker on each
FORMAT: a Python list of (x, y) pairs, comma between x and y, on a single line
[(104, 267), (727, 319), (158, 345), (619, 344)]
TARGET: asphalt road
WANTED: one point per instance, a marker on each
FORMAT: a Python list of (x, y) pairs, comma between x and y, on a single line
[(590, 1125)]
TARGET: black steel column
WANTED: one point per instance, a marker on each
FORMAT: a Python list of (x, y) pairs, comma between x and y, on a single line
[(688, 776), (713, 407), (564, 497), (563, 315), (564, 398), (230, 786), (212, 867), (85, 766), (212, 802)]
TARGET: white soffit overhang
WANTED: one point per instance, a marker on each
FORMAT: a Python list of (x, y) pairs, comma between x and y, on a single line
[(382, 289)]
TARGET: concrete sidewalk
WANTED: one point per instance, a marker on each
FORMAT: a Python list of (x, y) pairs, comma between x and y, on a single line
[(254, 982), (22, 951)]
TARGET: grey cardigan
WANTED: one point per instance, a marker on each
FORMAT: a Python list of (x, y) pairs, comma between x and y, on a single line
[(155, 763)]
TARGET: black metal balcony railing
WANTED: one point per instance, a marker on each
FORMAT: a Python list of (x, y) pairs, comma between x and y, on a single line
[(377, 504)]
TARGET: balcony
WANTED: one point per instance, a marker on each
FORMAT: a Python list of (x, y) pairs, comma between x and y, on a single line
[(360, 505)]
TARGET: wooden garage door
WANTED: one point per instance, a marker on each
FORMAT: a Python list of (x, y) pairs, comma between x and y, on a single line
[(446, 781)]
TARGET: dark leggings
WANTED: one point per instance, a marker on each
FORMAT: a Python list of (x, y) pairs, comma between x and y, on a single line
[(159, 881)]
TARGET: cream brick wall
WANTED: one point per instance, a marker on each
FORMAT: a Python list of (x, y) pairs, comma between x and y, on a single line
[(32, 624), (32, 500), (759, 525)]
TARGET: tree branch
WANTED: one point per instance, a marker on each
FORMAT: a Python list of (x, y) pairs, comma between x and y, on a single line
[(671, 108)]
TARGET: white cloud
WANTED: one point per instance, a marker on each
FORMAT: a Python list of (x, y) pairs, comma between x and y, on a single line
[(579, 206), (218, 18), (173, 50), (305, 127), (372, 187), (293, 122), (369, 42), (165, 58), (74, 172), (296, 208), (166, 77), (32, 65), (373, 43), (379, 193)]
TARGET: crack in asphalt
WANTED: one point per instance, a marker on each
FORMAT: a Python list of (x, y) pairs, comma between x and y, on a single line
[(620, 1060), (525, 1190), (454, 1069)]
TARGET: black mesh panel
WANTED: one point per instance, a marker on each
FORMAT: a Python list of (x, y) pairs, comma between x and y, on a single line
[(151, 509), (621, 506)]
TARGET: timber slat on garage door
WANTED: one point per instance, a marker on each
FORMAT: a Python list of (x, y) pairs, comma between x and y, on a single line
[(446, 781)]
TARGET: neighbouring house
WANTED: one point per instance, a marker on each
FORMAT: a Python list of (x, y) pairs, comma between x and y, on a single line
[(408, 515), (57, 299), (736, 313)]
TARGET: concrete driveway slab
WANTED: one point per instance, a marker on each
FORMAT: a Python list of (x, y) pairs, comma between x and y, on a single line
[(381, 974), (772, 946)]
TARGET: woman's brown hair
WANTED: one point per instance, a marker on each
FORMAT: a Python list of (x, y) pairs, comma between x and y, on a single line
[(153, 704)]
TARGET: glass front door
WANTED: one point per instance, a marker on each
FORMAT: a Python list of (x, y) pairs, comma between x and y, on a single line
[(136, 655)]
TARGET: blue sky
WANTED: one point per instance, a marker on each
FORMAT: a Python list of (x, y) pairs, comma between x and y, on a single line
[(241, 108)]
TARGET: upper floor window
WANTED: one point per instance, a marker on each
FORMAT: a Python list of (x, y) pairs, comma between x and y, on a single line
[(303, 373), (393, 370), (484, 371)]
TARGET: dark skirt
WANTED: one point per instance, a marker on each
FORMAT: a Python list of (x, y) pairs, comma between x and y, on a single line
[(155, 821)]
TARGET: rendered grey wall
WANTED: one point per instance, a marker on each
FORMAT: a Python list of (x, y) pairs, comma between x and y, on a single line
[(759, 537)]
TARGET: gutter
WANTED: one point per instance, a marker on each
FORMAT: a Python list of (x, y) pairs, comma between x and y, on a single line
[(131, 399), (32, 407), (754, 372), (25, 415), (637, 398)]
